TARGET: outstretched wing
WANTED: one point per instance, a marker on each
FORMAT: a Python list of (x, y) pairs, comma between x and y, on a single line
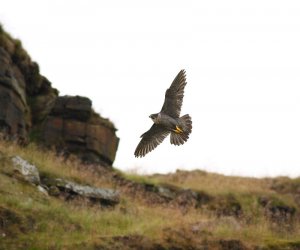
[(150, 140), (174, 96)]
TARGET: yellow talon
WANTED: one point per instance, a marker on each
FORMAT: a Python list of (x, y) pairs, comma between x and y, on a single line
[(178, 130)]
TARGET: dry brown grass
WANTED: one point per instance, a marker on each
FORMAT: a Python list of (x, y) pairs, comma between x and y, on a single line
[(214, 183), (49, 163), (61, 225)]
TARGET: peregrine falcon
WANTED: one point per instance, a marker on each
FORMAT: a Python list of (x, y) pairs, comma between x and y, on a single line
[(167, 120)]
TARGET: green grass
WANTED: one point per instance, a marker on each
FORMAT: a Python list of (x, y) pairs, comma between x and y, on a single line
[(65, 222), (141, 179), (38, 221)]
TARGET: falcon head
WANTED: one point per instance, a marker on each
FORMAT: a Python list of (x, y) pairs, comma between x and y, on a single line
[(154, 118)]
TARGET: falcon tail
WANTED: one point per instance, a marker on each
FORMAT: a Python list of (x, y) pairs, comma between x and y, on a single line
[(181, 134)]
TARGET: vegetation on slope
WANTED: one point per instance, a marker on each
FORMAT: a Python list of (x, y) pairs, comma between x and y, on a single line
[(231, 212)]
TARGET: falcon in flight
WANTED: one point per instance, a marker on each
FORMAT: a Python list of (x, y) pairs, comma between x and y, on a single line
[(168, 120)]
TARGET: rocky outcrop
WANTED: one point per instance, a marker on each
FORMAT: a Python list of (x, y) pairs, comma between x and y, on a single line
[(278, 211), (28, 171), (22, 170), (73, 127), (70, 190), (32, 110)]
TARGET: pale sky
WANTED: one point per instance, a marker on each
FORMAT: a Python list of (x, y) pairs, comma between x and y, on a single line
[(242, 60)]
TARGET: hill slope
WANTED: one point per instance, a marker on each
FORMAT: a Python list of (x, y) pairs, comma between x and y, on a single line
[(184, 210)]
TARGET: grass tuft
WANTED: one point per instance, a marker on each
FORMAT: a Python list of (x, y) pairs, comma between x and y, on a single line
[(234, 212)]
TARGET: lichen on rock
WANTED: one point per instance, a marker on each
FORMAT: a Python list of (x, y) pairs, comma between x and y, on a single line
[(29, 171)]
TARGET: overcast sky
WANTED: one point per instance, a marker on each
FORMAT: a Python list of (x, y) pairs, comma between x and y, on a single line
[(242, 60)]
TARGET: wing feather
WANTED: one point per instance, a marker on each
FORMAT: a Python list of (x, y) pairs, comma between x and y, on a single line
[(174, 96), (150, 140)]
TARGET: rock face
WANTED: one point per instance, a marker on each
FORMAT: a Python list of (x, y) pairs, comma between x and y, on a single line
[(31, 109), (14, 112), (73, 127)]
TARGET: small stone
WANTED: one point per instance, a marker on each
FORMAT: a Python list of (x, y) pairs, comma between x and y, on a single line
[(42, 190)]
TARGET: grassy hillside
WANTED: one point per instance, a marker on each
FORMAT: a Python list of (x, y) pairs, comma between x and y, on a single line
[(184, 210)]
